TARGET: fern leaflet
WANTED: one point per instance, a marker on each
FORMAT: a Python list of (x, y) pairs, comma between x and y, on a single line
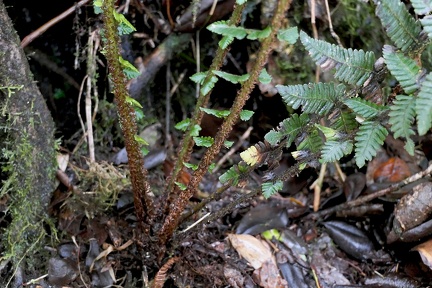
[(401, 117), (422, 7), (401, 27), (313, 142), (345, 122), (370, 137), (315, 98), (271, 188), (424, 106), (404, 69), (334, 150), (427, 25), (352, 66), (289, 128), (364, 108)]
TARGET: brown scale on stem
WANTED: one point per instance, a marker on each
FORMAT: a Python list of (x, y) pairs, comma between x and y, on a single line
[(141, 189), (171, 221)]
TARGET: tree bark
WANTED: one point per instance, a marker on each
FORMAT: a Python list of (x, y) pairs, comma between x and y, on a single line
[(27, 147)]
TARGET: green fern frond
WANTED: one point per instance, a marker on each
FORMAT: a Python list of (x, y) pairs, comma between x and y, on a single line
[(404, 69), (401, 117), (364, 108), (271, 188), (422, 7), (313, 142), (370, 137), (315, 98), (352, 66), (334, 150), (292, 126), (345, 122), (427, 25), (424, 106), (401, 27), (288, 128)]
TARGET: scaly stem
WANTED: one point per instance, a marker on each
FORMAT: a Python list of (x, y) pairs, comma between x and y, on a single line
[(186, 145), (126, 113), (180, 203)]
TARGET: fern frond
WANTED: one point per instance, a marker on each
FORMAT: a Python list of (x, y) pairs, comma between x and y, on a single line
[(352, 66), (289, 128), (401, 27), (315, 98), (313, 142), (401, 117), (271, 188), (364, 108), (370, 137), (404, 69), (334, 150), (422, 7), (427, 25), (424, 106), (345, 122)]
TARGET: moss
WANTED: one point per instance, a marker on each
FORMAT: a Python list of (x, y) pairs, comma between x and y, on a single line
[(24, 237)]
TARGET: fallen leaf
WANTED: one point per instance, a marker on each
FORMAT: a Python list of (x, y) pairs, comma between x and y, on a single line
[(393, 170), (255, 251), (425, 250)]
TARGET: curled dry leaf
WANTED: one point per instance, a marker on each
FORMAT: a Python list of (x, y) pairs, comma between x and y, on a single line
[(425, 250), (62, 271), (293, 272), (393, 170), (350, 239), (263, 218), (412, 235), (255, 251), (268, 276), (354, 185), (413, 209), (392, 280)]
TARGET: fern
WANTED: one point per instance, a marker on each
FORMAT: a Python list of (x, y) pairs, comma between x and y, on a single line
[(352, 66), (427, 25), (424, 106), (315, 98), (370, 137), (345, 122), (401, 118), (404, 69), (271, 188), (313, 142), (291, 127), (288, 128), (422, 7), (364, 108), (334, 150), (401, 27)]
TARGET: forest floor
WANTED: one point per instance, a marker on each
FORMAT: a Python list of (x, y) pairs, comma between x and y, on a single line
[(330, 226)]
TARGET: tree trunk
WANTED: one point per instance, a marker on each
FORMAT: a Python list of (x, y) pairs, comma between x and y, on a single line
[(28, 154)]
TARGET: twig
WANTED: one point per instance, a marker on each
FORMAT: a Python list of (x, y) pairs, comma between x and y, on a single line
[(79, 105), (91, 70), (43, 59), (335, 36), (316, 186), (29, 38), (167, 103), (367, 198)]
